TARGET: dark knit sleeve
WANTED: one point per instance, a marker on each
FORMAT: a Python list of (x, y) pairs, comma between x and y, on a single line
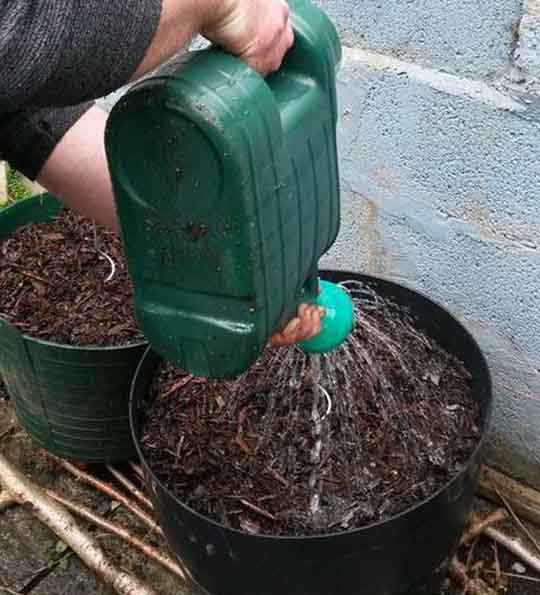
[(28, 137), (55, 56), (64, 52)]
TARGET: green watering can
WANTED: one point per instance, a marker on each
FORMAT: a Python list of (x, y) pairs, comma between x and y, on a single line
[(227, 191)]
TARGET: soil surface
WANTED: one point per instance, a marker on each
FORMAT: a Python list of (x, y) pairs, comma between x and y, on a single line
[(274, 453), (57, 284)]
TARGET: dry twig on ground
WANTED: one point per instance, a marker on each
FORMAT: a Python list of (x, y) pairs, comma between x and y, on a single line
[(514, 546), (138, 469), (518, 521), (64, 525), (472, 586), (478, 526), (524, 500), (122, 533), (130, 487), (112, 492), (523, 577)]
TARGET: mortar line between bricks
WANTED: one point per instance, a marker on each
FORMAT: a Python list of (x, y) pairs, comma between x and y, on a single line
[(444, 82)]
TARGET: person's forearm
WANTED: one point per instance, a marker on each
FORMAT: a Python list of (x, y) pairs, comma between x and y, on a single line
[(180, 21), (258, 31), (77, 170)]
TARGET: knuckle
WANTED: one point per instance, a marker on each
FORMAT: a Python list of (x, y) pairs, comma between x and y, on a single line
[(258, 65)]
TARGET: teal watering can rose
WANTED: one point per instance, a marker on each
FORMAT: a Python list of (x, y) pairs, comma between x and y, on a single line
[(227, 191), (338, 320)]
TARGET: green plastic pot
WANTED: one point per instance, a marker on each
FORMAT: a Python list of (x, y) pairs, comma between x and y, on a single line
[(73, 401)]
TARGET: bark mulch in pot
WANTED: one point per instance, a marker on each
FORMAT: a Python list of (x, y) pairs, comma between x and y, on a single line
[(263, 454), (57, 283)]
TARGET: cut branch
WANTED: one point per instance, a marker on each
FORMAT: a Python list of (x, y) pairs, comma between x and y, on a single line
[(479, 525), (112, 492), (130, 487), (137, 468), (515, 546), (524, 500), (64, 525), (518, 522), (472, 586), (124, 534)]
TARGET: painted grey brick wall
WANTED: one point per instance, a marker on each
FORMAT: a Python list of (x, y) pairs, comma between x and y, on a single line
[(439, 140), (465, 36), (441, 191)]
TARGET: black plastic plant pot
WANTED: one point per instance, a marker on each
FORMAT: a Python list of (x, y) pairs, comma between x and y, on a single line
[(405, 555), (73, 401)]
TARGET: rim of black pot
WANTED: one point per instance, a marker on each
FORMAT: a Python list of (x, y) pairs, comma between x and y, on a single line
[(370, 526)]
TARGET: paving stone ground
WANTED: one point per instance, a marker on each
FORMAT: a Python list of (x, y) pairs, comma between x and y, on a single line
[(33, 561)]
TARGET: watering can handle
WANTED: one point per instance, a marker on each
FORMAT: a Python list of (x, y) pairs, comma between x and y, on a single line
[(317, 47), (316, 51)]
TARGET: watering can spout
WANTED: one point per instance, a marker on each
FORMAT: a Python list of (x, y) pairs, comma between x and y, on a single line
[(338, 320), (227, 193)]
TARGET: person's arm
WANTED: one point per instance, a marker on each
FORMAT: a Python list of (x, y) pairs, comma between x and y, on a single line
[(77, 172), (63, 52), (258, 30), (55, 56)]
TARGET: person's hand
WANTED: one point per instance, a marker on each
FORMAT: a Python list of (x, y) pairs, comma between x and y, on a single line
[(305, 326), (258, 31)]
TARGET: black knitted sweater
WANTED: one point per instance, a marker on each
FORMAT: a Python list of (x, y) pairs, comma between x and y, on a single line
[(55, 57)]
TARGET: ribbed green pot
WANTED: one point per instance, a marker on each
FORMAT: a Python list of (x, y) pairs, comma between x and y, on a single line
[(73, 401)]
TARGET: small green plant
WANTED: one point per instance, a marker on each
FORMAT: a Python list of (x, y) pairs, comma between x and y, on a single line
[(17, 190)]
